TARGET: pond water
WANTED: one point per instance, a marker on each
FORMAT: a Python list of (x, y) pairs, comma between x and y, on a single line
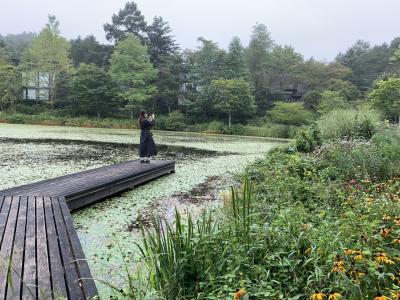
[(205, 165)]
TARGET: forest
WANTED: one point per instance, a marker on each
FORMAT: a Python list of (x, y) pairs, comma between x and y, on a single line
[(261, 88)]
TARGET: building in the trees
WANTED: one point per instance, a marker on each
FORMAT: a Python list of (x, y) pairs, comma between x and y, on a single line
[(36, 86), (293, 93)]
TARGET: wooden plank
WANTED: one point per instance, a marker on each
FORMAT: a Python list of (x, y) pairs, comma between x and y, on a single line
[(7, 246), (57, 269), (72, 284), (5, 209), (18, 251), (89, 287), (29, 278), (43, 266)]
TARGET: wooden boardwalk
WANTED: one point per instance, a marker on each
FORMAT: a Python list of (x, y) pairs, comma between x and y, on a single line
[(40, 253), (84, 188)]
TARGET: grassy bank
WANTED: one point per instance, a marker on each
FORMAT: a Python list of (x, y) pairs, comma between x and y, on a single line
[(163, 123), (321, 221)]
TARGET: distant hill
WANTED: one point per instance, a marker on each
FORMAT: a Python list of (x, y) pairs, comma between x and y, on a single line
[(17, 43)]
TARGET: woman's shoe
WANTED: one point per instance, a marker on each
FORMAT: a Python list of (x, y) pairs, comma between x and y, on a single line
[(142, 161)]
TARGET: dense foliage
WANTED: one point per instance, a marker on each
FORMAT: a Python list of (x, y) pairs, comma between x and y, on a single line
[(319, 224)]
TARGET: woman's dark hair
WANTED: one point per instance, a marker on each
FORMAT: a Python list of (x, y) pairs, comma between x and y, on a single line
[(141, 118)]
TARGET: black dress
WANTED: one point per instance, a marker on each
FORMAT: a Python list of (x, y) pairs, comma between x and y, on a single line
[(147, 146)]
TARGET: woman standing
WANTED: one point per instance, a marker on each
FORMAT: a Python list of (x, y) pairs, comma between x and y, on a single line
[(147, 147)]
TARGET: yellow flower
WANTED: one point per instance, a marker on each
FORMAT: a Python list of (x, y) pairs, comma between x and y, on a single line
[(397, 220), (317, 296), (351, 251), (338, 267), (334, 296), (239, 294), (357, 273), (383, 258), (386, 218), (308, 250), (358, 257)]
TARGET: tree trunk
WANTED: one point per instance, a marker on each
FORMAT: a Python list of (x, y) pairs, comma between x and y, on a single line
[(131, 113), (230, 119), (98, 115)]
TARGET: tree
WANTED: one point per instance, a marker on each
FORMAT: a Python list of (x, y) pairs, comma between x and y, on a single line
[(169, 82), (348, 90), (131, 68), (161, 44), (365, 62), (92, 92), (290, 114), (4, 53), (331, 100), (10, 86), (311, 100), (90, 51), (280, 63), (49, 53), (236, 61), (386, 98), (17, 44), (256, 56), (128, 21), (232, 96)]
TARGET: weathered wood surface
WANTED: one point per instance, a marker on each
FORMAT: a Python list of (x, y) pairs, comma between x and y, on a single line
[(40, 253), (83, 188)]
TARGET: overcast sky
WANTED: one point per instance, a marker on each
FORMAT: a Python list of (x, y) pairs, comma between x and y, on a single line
[(318, 28)]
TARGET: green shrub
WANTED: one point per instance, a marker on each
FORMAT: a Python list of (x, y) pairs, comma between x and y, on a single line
[(16, 119), (175, 121), (290, 114), (307, 140)]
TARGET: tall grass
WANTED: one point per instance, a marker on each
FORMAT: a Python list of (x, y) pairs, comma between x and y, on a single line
[(349, 123), (184, 255)]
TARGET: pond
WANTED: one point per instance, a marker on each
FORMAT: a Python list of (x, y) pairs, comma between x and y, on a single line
[(205, 167)]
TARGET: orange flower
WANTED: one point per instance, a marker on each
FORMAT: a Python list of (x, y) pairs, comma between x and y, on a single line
[(379, 296), (385, 232), (396, 241), (239, 294)]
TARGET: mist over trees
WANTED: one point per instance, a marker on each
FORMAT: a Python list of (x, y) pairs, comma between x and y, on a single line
[(143, 67)]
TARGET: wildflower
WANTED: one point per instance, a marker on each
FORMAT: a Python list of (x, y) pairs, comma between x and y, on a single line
[(379, 296), (386, 218), (338, 267), (397, 220), (334, 296), (396, 241), (351, 251), (385, 232), (366, 181), (239, 294), (382, 257), (308, 250), (357, 273), (317, 296), (358, 257)]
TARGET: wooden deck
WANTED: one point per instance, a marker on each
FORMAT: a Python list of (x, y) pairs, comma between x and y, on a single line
[(84, 188), (40, 253)]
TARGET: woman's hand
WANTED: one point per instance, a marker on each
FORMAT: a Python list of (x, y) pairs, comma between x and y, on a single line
[(152, 116)]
